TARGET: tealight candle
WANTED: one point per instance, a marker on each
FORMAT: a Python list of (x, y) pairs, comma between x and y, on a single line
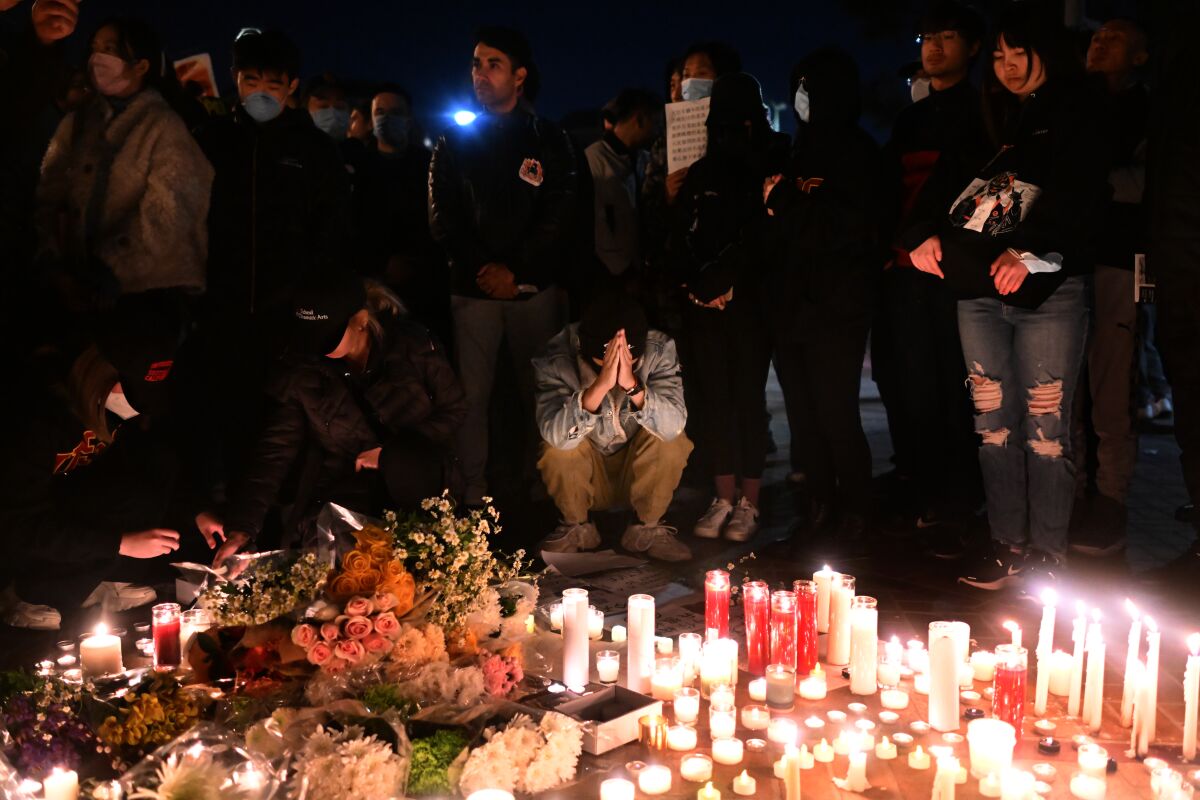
[(902, 740), (687, 704), (983, 665), (696, 767), (66, 661), (1045, 771), (665, 645), (655, 779), (708, 793), (595, 626), (755, 717), (919, 759), (1016, 784), (893, 699), (920, 727), (885, 750), (61, 784), (970, 696), (836, 715), (556, 617), (780, 687), (100, 653), (618, 633), (608, 665), (681, 738), (989, 785), (722, 723), (756, 745), (1093, 760), (1045, 726), (807, 761), (991, 743), (814, 723), (781, 731), (667, 677), (727, 750), (823, 752), (745, 785), (721, 695), (889, 717), (1088, 787), (616, 789), (757, 689), (813, 687)]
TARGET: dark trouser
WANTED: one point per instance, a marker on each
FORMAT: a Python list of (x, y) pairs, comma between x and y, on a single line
[(933, 408), (1177, 296), (730, 356), (820, 381), (885, 369)]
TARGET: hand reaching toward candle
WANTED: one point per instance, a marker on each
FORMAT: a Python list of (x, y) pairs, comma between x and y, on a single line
[(149, 544)]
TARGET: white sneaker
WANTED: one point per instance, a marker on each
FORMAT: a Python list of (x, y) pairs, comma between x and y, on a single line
[(657, 541), (115, 596), (709, 525), (27, 615), (571, 537), (743, 522)]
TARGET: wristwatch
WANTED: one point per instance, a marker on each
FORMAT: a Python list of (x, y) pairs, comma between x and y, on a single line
[(635, 389)]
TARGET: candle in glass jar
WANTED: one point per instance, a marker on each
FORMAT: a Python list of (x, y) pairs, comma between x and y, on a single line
[(191, 622), (595, 623), (757, 689), (864, 645), (824, 579), (806, 625), (690, 645), (841, 596), (893, 699), (721, 695), (556, 617), (1008, 697), (990, 744), (575, 638), (756, 603), (716, 604), (722, 721), (727, 750), (943, 677), (1016, 784), (1093, 760), (755, 717), (1088, 787), (983, 664), (783, 628), (655, 780), (716, 664), (888, 672), (781, 687), (164, 626), (696, 767), (61, 784), (681, 738), (813, 687), (916, 656), (100, 653), (616, 789), (608, 666), (687, 705), (618, 633), (667, 678), (639, 655)]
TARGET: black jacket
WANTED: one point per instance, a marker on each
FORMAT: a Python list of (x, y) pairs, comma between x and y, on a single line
[(408, 388), (1051, 177), (1125, 226), (280, 208), (503, 190)]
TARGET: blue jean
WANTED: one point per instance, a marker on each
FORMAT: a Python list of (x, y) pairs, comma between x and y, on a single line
[(1023, 366)]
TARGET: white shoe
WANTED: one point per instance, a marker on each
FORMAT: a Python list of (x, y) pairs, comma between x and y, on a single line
[(743, 522), (115, 596), (27, 615), (709, 525), (571, 537), (1163, 407), (657, 541)]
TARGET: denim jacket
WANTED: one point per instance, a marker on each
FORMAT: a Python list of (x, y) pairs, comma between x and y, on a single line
[(561, 376)]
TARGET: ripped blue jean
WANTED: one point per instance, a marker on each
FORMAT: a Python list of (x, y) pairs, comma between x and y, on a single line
[(1023, 366)]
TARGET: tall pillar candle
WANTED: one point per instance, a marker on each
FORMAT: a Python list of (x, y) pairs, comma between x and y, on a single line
[(1079, 637), (1045, 647), (1150, 719), (783, 628), (716, 604), (164, 626), (1133, 651), (756, 602), (943, 677), (791, 773), (824, 579), (841, 595), (1191, 696), (639, 664), (806, 625), (1093, 696), (864, 645), (960, 632), (1009, 684), (575, 638)]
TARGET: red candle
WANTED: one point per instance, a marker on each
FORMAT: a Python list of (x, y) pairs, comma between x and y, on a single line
[(756, 603), (716, 604), (164, 619), (1008, 701), (806, 626), (783, 628)]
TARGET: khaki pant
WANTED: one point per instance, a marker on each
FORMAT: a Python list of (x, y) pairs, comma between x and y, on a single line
[(643, 474)]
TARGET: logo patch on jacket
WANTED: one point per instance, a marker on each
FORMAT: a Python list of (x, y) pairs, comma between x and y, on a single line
[(531, 172), (158, 371), (80, 455)]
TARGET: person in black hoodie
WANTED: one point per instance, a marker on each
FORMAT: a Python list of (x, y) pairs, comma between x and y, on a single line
[(1014, 247), (717, 259), (825, 259)]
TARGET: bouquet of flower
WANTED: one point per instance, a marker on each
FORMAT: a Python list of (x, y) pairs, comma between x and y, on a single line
[(419, 644), (203, 764), (374, 567), (347, 765), (151, 713), (501, 674), (524, 756), (269, 589), (41, 715), (436, 762), (364, 633)]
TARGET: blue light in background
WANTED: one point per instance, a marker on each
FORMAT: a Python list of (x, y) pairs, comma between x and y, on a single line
[(464, 117)]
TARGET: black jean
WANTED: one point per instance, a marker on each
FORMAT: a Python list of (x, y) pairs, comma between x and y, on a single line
[(726, 374), (820, 380), (1177, 296)]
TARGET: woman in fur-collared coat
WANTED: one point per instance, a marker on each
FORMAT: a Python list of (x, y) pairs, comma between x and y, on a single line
[(123, 199)]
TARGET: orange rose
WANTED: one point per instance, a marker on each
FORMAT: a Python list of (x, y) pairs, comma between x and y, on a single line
[(372, 535), (343, 585), (355, 562), (381, 554), (405, 590)]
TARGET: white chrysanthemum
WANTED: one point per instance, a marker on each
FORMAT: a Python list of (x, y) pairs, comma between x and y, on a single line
[(185, 779)]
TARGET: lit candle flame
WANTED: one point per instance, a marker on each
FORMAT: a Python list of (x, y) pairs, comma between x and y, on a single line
[(1132, 609), (1011, 626), (1049, 597), (100, 629), (826, 568), (1193, 643)]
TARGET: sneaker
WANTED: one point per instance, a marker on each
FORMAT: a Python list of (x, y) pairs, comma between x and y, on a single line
[(571, 537), (1146, 412), (1163, 407), (743, 522), (710, 524), (1041, 571), (997, 567), (38, 618), (1103, 532), (114, 596), (657, 541)]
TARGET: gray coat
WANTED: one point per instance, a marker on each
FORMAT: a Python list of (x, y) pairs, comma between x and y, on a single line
[(561, 376)]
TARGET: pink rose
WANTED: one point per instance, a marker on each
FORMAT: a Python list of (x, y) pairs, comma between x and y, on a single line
[(304, 636), (359, 607), (349, 651), (357, 627), (336, 665), (319, 654), (385, 601), (376, 644), (387, 624)]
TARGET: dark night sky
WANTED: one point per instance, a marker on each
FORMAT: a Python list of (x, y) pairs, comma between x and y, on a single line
[(586, 51)]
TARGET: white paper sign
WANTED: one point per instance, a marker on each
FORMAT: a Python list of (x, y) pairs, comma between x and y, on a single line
[(687, 137)]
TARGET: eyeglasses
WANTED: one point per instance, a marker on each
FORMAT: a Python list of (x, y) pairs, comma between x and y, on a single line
[(937, 37)]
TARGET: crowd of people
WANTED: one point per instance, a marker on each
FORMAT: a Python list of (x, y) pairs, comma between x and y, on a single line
[(228, 316)]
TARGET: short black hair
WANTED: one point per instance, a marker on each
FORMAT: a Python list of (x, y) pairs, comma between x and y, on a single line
[(266, 50), (324, 85), (725, 59), (392, 88), (137, 41), (951, 15), (513, 44), (629, 102)]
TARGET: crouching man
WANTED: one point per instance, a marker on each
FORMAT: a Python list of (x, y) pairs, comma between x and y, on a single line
[(611, 413)]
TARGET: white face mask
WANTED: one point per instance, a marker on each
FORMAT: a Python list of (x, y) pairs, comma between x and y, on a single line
[(108, 74), (918, 88), (802, 105), (117, 404)]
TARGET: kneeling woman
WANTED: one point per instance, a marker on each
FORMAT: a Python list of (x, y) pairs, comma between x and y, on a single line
[(362, 412)]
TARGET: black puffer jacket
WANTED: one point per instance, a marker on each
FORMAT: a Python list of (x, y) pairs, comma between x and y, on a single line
[(409, 388), (503, 190)]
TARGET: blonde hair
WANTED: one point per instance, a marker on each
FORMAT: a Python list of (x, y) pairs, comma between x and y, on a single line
[(380, 300), (88, 385)]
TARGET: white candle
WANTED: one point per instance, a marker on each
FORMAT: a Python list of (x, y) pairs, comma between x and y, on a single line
[(921, 683), (894, 699), (945, 778), (989, 785), (1093, 760), (1149, 713), (960, 632), (689, 655), (1045, 646), (813, 687), (856, 775), (782, 731), (616, 789), (608, 666), (790, 772), (575, 638), (889, 668), (595, 623), (722, 722), (721, 695), (1015, 629), (990, 744), (824, 579), (62, 784), (745, 785), (1016, 784), (1088, 787), (618, 634), (1132, 661), (807, 761), (718, 664), (727, 750), (755, 718), (696, 768), (1061, 666), (708, 793), (1079, 637), (885, 750), (943, 677), (556, 617), (918, 759), (781, 687), (864, 646), (983, 665), (664, 645), (757, 689), (681, 738), (100, 653), (916, 656), (841, 596), (639, 663), (687, 704), (1093, 703), (823, 752), (1191, 696), (668, 676), (655, 779)]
